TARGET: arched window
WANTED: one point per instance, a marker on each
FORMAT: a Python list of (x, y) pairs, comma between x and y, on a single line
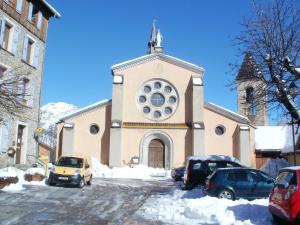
[(250, 100)]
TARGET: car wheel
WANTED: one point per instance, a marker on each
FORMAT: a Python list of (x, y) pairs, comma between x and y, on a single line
[(90, 181), (227, 194), (51, 183), (278, 220), (81, 182)]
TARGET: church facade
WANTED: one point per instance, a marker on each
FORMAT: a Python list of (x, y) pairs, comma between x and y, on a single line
[(157, 117)]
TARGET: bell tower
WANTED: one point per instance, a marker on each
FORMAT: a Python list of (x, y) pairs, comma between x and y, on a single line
[(251, 92)]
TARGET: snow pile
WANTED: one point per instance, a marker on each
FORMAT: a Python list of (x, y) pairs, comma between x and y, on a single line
[(275, 138), (14, 172), (135, 172), (272, 166), (51, 112), (184, 207), (35, 171)]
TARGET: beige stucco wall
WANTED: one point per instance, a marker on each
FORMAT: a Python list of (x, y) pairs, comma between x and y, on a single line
[(228, 143), (97, 145), (136, 76)]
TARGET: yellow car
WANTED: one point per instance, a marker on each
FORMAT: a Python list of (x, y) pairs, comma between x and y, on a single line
[(70, 170)]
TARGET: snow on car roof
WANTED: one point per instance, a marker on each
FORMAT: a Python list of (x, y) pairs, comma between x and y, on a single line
[(291, 168), (215, 158)]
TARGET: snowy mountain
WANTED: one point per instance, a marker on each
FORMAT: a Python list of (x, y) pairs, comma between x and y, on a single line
[(51, 112)]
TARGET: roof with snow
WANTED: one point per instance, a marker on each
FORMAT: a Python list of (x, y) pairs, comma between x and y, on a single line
[(273, 138), (215, 158), (52, 9), (85, 109), (154, 56), (227, 112), (292, 168)]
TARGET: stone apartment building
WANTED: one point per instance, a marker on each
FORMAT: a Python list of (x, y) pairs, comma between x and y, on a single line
[(23, 35)]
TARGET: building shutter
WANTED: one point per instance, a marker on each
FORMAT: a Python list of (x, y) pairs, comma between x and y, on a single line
[(4, 137), (15, 41), (31, 93), (36, 55), (19, 6), (30, 8), (40, 20), (2, 28), (25, 47)]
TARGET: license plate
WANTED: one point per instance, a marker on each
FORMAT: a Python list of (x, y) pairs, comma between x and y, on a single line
[(62, 178)]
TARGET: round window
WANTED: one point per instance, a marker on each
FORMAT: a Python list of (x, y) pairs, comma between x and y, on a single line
[(142, 99), (94, 129), (157, 99), (157, 114), (220, 130), (172, 100), (146, 109), (157, 85), (168, 110), (147, 89), (168, 89)]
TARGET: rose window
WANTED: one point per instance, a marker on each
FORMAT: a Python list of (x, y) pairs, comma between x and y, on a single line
[(157, 99)]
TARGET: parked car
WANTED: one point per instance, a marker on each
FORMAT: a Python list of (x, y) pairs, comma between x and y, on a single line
[(234, 183), (70, 170), (178, 173), (199, 168), (284, 201)]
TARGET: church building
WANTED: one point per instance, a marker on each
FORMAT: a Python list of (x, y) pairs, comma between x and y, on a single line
[(157, 117)]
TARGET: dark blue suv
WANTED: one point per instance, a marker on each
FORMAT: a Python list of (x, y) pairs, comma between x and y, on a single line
[(233, 183)]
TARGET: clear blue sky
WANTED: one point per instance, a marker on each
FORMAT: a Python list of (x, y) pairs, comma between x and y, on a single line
[(93, 35)]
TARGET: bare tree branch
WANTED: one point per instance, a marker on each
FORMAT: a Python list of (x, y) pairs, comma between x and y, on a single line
[(272, 35), (14, 93)]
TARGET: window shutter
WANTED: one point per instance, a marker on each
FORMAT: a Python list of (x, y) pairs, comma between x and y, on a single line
[(2, 27), (30, 8), (25, 47), (15, 41), (4, 137), (31, 93), (36, 55), (40, 20), (19, 6)]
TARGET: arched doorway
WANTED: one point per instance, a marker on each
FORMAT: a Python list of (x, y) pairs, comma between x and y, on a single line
[(156, 155), (165, 141)]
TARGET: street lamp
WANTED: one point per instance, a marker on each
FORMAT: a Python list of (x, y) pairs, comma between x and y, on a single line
[(293, 92)]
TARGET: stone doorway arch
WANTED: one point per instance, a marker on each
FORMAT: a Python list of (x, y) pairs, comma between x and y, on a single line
[(165, 139)]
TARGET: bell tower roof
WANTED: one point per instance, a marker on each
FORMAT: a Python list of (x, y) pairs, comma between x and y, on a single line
[(249, 68)]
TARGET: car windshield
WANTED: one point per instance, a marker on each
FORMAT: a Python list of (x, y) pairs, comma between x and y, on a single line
[(70, 162), (286, 177)]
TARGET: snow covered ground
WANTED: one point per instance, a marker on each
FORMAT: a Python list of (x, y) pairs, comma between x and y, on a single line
[(175, 206), (193, 207)]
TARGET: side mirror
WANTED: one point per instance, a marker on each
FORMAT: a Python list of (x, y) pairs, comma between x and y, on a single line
[(87, 166)]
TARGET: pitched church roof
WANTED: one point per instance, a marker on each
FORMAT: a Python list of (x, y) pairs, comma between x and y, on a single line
[(249, 68), (154, 56)]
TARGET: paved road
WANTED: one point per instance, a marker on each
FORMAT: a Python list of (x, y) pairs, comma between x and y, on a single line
[(107, 201)]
